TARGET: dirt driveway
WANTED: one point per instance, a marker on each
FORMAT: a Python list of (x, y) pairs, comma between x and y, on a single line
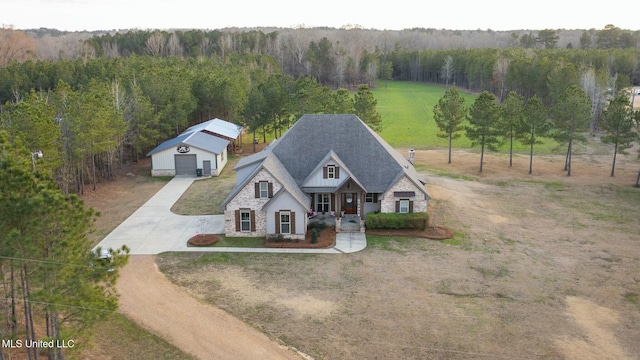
[(202, 330)]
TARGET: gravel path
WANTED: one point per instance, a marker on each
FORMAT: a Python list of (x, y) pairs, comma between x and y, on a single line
[(150, 299)]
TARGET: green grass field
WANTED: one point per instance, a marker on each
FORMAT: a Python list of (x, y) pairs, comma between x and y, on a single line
[(407, 117)]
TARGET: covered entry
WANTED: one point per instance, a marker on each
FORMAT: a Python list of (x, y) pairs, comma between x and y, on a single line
[(186, 164), (350, 203)]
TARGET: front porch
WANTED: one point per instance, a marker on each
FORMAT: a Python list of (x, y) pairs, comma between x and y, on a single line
[(347, 223)]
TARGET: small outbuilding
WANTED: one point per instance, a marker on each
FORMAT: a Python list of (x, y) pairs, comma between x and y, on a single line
[(200, 150)]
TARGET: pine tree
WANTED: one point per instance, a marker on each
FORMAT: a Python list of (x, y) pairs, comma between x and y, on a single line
[(571, 115), (365, 107), (483, 128), (44, 234), (512, 112), (619, 124), (533, 124), (449, 113)]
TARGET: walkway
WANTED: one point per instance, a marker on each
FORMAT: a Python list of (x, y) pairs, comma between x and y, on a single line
[(154, 229)]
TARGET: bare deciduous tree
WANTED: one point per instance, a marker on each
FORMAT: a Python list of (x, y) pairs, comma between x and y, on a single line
[(174, 47), (15, 46), (500, 75), (156, 44), (447, 69), (110, 49), (85, 51), (205, 45)]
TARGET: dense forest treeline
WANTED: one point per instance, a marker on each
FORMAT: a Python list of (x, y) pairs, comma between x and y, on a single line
[(108, 98)]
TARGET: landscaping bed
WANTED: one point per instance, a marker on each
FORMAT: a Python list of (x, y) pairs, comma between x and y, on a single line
[(203, 240), (326, 239)]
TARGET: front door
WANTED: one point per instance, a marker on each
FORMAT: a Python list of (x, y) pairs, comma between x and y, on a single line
[(350, 203)]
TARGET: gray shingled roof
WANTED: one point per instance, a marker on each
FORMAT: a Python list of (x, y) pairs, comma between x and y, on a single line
[(368, 157), (273, 165), (314, 138)]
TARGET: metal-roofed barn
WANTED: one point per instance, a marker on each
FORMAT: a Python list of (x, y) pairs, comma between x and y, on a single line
[(202, 149)]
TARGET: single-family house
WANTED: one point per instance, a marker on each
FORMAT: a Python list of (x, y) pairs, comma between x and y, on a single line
[(331, 164), (202, 149)]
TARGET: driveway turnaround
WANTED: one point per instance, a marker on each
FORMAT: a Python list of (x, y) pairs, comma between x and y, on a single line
[(154, 229)]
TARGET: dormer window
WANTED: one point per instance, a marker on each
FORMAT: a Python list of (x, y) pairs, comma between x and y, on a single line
[(331, 172)]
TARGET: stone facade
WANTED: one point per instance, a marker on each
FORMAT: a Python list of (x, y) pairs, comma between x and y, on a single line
[(388, 202), (246, 199)]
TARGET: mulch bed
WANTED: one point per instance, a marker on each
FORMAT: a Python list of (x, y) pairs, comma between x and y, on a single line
[(326, 239), (432, 232), (203, 240)]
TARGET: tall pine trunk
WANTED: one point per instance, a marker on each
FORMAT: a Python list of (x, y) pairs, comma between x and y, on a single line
[(32, 352), (93, 168), (14, 318), (615, 153), (482, 154), (450, 141), (569, 157), (511, 147), (531, 158)]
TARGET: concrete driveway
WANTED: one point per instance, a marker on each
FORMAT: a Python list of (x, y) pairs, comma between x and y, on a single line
[(153, 228)]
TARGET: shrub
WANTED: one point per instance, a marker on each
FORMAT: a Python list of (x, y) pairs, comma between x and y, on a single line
[(317, 225), (413, 221), (314, 235)]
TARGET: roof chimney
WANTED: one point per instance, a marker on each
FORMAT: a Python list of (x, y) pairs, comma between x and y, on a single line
[(412, 154)]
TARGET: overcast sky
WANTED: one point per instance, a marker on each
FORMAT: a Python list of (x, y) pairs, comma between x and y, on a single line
[(77, 15)]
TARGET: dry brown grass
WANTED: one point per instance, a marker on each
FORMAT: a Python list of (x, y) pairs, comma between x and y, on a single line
[(541, 266)]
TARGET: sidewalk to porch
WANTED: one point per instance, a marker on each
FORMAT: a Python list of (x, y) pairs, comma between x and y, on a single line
[(348, 223)]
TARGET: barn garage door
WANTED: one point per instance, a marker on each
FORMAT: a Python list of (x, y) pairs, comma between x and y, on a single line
[(185, 164)]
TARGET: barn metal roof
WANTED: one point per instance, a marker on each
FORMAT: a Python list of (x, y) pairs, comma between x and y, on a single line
[(197, 136), (218, 126), (204, 141)]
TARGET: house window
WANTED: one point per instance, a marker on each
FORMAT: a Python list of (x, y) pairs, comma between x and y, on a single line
[(264, 190), (245, 220), (371, 197), (404, 206), (285, 222), (331, 172), (323, 202)]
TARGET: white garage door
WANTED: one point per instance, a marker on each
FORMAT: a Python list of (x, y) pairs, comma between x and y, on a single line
[(185, 164)]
